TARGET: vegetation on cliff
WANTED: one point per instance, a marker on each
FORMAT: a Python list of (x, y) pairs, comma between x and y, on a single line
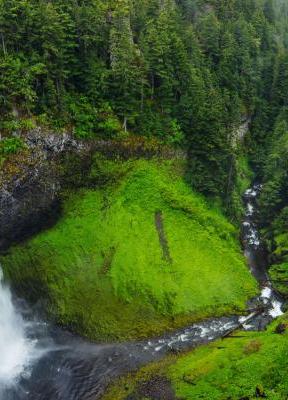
[(135, 256), (270, 161)]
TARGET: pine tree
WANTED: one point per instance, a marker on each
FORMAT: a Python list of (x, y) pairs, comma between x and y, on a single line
[(127, 68)]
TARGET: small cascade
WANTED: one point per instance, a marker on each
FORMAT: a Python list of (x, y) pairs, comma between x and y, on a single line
[(256, 255), (20, 344), (15, 347)]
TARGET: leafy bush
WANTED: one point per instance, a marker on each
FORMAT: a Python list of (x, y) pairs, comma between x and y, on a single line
[(252, 347), (27, 124), (89, 121), (175, 135), (11, 145), (108, 124), (12, 125)]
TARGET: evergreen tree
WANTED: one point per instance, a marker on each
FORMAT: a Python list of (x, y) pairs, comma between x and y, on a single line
[(127, 67)]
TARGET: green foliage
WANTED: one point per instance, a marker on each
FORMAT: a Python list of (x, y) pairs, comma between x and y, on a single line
[(90, 122), (83, 116), (273, 167), (226, 369), (14, 125), (100, 256), (273, 200), (11, 145)]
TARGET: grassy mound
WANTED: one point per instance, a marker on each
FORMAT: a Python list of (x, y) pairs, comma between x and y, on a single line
[(135, 256), (250, 366)]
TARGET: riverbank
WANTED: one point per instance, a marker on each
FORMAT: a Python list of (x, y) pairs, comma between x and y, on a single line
[(230, 368), (248, 365)]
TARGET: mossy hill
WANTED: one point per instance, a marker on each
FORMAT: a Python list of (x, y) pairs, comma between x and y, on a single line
[(249, 366), (135, 255)]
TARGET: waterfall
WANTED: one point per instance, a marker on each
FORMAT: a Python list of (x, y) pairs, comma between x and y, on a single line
[(16, 349)]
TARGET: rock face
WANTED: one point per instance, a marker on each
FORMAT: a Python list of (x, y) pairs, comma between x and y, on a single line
[(30, 184), (239, 133)]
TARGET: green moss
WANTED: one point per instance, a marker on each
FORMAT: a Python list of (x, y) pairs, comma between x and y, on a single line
[(103, 269), (247, 366), (279, 276)]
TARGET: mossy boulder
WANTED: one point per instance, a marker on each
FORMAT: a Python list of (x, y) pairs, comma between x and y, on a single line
[(138, 254)]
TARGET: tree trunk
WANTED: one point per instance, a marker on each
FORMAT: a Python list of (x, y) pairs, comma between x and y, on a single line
[(142, 96), (3, 44), (152, 87)]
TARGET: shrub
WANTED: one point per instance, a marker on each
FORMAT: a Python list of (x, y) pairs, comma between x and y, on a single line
[(252, 347), (11, 145)]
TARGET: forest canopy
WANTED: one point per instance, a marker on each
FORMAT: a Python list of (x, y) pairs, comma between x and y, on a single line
[(187, 72)]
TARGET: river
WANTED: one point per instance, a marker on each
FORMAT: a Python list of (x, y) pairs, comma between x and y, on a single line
[(43, 362)]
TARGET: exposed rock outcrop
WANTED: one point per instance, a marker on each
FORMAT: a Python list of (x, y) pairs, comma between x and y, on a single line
[(30, 184)]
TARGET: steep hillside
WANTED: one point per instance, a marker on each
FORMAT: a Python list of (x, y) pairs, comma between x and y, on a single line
[(134, 257)]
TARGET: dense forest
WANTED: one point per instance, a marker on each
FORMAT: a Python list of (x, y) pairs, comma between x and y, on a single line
[(186, 72)]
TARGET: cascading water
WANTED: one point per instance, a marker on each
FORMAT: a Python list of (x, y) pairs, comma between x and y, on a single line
[(257, 259), (23, 341), (39, 362), (15, 348)]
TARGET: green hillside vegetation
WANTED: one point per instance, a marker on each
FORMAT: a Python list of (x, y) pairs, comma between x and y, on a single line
[(250, 366), (134, 257)]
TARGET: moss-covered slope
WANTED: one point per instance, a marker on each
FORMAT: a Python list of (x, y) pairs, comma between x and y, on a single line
[(249, 366), (135, 256)]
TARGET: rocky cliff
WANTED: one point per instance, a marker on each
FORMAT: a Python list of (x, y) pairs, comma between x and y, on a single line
[(30, 184)]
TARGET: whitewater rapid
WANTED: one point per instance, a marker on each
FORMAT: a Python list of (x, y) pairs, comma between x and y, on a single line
[(15, 348), (19, 346)]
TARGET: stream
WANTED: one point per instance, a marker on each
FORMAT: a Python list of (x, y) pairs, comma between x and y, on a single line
[(43, 362)]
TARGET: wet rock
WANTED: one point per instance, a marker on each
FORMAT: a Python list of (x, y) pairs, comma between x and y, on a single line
[(260, 322), (280, 329), (133, 396), (254, 304), (30, 185), (157, 388), (260, 392), (51, 144)]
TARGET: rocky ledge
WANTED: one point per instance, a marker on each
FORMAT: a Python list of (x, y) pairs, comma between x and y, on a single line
[(30, 184)]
